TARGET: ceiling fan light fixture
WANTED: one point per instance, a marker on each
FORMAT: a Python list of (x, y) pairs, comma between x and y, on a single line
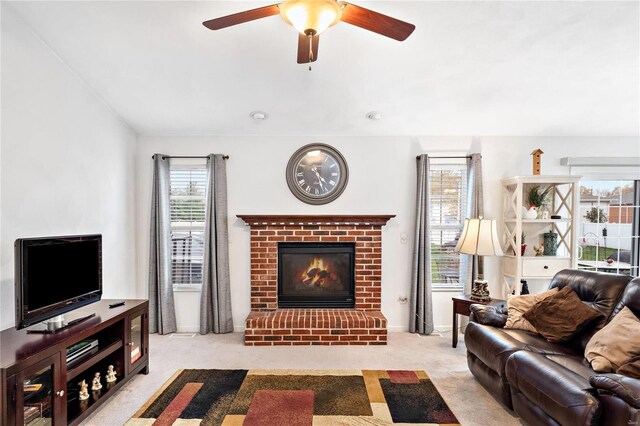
[(311, 17)]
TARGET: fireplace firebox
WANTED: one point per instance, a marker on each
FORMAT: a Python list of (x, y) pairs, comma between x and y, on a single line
[(316, 275)]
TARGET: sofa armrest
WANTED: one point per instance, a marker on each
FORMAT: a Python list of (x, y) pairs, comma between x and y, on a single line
[(623, 387), (488, 315)]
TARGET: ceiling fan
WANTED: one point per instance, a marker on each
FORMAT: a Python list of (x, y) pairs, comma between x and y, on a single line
[(312, 17)]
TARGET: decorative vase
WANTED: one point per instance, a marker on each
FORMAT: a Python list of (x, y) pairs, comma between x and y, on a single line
[(523, 248), (550, 243), (532, 213)]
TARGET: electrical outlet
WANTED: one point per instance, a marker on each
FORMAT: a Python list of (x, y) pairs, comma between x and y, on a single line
[(403, 238), (402, 300)]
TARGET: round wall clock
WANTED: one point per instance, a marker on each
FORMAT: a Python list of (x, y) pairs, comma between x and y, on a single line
[(317, 173)]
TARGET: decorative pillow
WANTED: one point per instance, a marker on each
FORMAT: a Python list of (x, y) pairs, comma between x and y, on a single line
[(615, 344), (561, 316), (518, 305), (631, 368)]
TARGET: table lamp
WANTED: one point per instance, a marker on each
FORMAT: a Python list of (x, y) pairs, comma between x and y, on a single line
[(479, 238)]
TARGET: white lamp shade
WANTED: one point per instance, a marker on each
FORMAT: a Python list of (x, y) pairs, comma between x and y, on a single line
[(479, 236)]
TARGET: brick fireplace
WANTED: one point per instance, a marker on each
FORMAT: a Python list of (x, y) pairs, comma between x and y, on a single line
[(269, 324)]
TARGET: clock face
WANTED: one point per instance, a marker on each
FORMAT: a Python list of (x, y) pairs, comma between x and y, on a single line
[(317, 174)]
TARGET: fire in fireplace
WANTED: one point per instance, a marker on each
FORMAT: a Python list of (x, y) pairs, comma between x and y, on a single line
[(316, 275)]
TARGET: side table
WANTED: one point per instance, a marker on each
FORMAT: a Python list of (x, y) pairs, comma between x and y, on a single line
[(461, 305)]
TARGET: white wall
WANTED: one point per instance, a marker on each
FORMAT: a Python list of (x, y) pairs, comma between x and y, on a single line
[(67, 166), (381, 180), (66, 163)]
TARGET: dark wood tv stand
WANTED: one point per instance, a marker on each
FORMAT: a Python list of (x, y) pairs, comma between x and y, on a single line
[(36, 381)]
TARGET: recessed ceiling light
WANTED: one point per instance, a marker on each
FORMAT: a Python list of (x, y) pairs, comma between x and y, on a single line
[(374, 115), (259, 115)]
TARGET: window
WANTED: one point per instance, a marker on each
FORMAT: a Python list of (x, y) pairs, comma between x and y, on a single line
[(447, 197), (187, 199), (609, 212)]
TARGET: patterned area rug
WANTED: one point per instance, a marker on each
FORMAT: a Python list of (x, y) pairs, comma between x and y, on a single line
[(295, 398)]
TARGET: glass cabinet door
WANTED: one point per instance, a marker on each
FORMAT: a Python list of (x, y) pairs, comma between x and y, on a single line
[(39, 395), (138, 324)]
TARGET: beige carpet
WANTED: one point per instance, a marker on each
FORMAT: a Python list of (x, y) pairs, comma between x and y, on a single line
[(447, 368)]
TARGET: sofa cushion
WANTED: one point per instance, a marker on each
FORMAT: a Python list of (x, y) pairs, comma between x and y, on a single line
[(564, 395), (560, 316), (518, 305), (630, 368), (616, 344), (598, 290), (534, 342), (576, 363)]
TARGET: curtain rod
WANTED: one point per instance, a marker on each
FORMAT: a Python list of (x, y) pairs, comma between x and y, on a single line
[(446, 157), (225, 157)]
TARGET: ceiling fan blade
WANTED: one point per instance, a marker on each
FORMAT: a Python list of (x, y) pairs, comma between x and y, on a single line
[(242, 17), (376, 22), (303, 48)]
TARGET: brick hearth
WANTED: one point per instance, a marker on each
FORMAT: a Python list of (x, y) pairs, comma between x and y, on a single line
[(268, 325), (316, 327)]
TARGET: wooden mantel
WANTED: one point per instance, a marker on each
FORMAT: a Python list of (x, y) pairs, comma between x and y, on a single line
[(265, 220)]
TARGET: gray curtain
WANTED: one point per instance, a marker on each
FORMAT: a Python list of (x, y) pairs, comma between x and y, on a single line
[(635, 230), (421, 311), (474, 209), (162, 314), (215, 301)]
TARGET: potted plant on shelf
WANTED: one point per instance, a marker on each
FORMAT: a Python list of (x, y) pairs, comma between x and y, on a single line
[(536, 198)]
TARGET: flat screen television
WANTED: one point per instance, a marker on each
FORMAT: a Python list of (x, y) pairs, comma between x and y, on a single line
[(55, 275)]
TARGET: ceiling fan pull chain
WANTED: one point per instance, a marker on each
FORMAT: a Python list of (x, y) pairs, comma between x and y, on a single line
[(310, 49)]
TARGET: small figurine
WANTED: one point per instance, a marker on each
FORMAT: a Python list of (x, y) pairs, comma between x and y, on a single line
[(84, 392), (539, 249), (111, 375), (96, 385)]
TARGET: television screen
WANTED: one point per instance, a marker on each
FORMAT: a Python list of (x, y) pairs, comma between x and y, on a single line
[(56, 275)]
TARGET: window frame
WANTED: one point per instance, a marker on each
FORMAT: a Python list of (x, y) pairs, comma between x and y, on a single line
[(455, 164), (634, 261), (186, 165)]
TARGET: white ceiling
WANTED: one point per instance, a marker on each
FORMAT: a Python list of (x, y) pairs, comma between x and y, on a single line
[(470, 68)]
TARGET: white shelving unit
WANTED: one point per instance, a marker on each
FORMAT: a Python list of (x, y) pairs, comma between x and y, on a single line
[(563, 201)]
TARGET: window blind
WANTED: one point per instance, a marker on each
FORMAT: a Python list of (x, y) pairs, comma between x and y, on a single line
[(187, 202), (447, 197)]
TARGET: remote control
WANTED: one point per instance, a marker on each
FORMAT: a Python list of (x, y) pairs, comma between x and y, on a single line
[(115, 305)]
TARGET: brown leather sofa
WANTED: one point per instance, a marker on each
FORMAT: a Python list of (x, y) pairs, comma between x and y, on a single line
[(552, 383)]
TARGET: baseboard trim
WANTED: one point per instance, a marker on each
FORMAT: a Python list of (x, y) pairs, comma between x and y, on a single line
[(397, 328), (185, 329)]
